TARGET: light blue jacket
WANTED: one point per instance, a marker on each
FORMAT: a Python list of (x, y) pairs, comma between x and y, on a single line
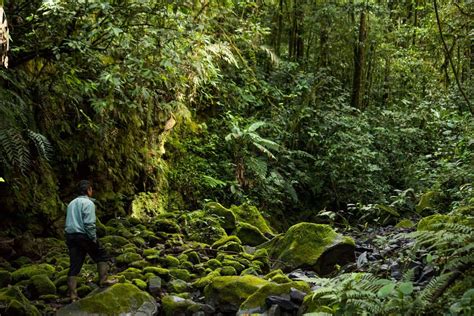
[(80, 217)]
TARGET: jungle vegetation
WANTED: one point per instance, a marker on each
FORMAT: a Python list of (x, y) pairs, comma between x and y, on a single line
[(349, 112)]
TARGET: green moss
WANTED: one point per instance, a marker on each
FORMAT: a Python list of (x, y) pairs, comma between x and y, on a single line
[(49, 297), (16, 303), (257, 299), (237, 265), (127, 258), (213, 264), (203, 227), (427, 201), (22, 261), (175, 305), (224, 240), (61, 280), (161, 272), (29, 271), (405, 223), (114, 241), (84, 290), (228, 270), (5, 278), (140, 284), (231, 247), (148, 204), (166, 225), (193, 257), (186, 265), (304, 244), (182, 257), (132, 273), (150, 252), (178, 286), (232, 290), (251, 215), (226, 217), (181, 274), (250, 271), (117, 299), (433, 222), (140, 264), (40, 284), (467, 210), (204, 281), (125, 233), (170, 261), (277, 276), (250, 235), (139, 241)]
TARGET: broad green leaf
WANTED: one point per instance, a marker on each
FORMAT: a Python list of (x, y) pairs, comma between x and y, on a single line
[(386, 290), (406, 288)]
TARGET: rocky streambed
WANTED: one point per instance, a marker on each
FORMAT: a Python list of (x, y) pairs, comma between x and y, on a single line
[(214, 261)]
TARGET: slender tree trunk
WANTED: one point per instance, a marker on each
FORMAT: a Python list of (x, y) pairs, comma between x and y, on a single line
[(323, 43), (448, 56), (415, 22), (386, 81), (277, 43), (359, 62)]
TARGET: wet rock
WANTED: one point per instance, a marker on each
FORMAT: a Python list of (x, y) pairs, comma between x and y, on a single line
[(118, 299), (311, 245), (27, 272), (41, 285), (426, 275), (297, 296), (259, 297), (283, 302), (175, 305), (13, 303), (250, 235), (154, 286)]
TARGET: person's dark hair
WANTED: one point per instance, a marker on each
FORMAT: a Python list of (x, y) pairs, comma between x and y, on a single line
[(83, 186)]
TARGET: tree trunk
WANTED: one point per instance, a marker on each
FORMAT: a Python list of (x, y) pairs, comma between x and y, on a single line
[(359, 63)]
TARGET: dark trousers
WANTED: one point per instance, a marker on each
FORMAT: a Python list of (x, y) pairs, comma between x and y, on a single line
[(79, 246)]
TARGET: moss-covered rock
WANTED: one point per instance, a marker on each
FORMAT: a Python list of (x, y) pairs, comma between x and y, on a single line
[(40, 284), (233, 263), (250, 271), (193, 257), (114, 244), (277, 276), (29, 271), (231, 247), (175, 305), (161, 272), (181, 274), (435, 221), (5, 278), (228, 270), (121, 298), (204, 281), (315, 246), (14, 303), (132, 273), (178, 286), (224, 240), (166, 225), (170, 261), (151, 252), (250, 235), (203, 227), (428, 201), (140, 264), (225, 216), (251, 215), (213, 264), (148, 205), (142, 285), (232, 290), (127, 258), (257, 299)]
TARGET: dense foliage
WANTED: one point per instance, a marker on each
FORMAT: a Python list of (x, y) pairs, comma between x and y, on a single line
[(349, 112)]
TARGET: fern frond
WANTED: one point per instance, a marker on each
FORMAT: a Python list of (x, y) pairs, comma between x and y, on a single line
[(42, 144)]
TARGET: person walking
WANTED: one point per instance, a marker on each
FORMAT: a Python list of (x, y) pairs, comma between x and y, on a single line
[(81, 239)]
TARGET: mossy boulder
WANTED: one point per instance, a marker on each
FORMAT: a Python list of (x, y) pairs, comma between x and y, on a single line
[(224, 240), (250, 235), (231, 247), (178, 286), (234, 263), (204, 281), (257, 299), (277, 276), (214, 264), (14, 303), (175, 305), (121, 298), (314, 246), (232, 291), (225, 216), (5, 278), (166, 225), (148, 205), (161, 272), (40, 284), (127, 258), (181, 274), (428, 201), (203, 227), (142, 285), (29, 271), (435, 222), (251, 215), (170, 261), (132, 273)]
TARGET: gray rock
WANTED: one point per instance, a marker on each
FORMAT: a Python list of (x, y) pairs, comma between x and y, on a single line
[(274, 310), (284, 303), (154, 286), (297, 296)]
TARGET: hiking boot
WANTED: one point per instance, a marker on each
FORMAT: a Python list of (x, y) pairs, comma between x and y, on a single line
[(103, 268), (71, 285)]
